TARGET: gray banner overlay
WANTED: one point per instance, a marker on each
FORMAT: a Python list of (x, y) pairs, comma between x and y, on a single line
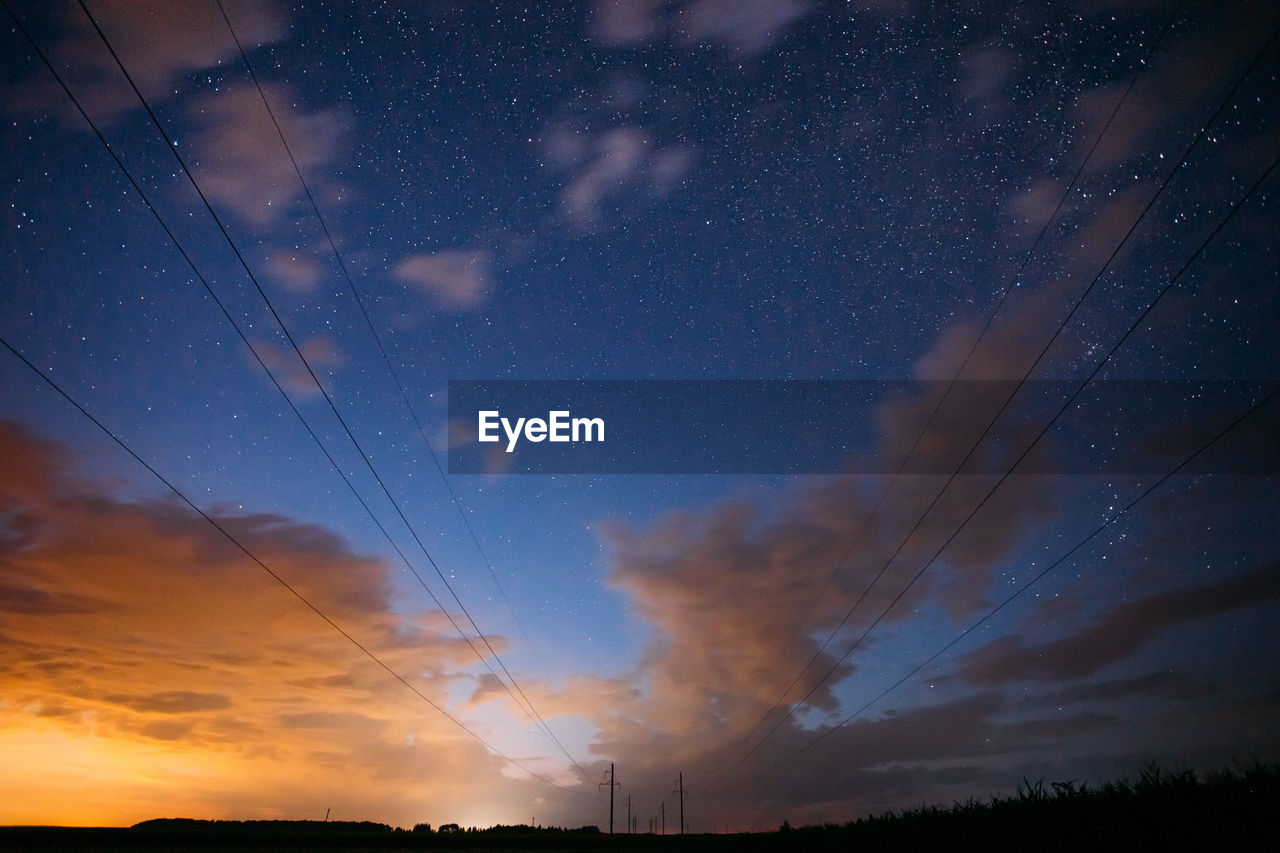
[(858, 426)]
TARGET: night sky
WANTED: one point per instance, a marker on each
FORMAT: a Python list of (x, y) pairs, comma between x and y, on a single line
[(310, 613)]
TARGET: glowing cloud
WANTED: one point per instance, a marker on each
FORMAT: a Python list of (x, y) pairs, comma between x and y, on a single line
[(149, 664)]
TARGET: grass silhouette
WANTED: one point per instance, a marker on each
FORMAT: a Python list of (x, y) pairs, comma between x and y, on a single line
[(1165, 810)]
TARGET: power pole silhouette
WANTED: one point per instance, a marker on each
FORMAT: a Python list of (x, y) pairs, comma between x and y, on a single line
[(612, 782), (628, 814), (681, 791)]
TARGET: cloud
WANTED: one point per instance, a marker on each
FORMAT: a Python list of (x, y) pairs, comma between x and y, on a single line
[(624, 22), (727, 596), (619, 156), (161, 44), (455, 278), (610, 167), (28, 477), (172, 702), (746, 27), (16, 598), (320, 352), (924, 753), (235, 151), (293, 269), (984, 73), (1120, 633), (739, 599), (669, 166), (239, 160), (152, 666), (1160, 684), (1032, 207), (1179, 89)]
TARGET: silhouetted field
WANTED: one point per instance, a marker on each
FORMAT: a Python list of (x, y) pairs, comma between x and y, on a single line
[(1158, 811)]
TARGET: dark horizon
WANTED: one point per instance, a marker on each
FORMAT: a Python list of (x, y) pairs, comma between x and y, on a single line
[(1159, 808)]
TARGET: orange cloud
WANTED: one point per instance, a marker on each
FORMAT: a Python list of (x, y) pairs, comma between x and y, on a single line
[(152, 668)]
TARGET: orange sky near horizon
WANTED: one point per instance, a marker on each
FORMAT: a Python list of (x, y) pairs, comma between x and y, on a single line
[(153, 669)]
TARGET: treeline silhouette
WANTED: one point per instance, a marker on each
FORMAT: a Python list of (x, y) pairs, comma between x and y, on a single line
[(1165, 810)]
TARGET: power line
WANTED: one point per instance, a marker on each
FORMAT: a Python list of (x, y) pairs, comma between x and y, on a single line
[(142, 195), (1020, 384), (1013, 282), (993, 611), (1015, 464), (182, 251), (284, 329), (382, 350), (1044, 431), (245, 550), (399, 385), (324, 392)]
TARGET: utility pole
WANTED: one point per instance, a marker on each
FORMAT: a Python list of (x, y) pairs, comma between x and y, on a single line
[(681, 792), (612, 782), (628, 814)]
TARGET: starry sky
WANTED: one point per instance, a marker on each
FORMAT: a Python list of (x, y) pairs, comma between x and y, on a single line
[(238, 579)]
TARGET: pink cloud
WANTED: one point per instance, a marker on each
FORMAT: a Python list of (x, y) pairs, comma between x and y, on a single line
[(618, 156), (611, 167), (160, 44), (624, 22), (320, 352), (293, 269), (455, 278), (746, 26), (239, 158)]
